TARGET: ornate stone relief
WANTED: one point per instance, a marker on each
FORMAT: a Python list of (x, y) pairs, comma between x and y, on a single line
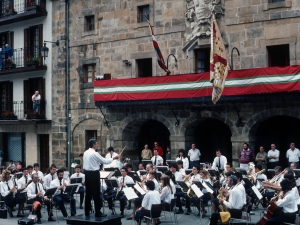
[(198, 15)]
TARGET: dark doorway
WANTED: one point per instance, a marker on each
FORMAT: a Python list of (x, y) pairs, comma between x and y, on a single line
[(210, 135), (152, 131), (280, 130), (44, 152)]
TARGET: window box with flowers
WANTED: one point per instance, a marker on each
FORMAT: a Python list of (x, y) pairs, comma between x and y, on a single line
[(30, 114), (31, 5), (31, 61), (8, 64), (10, 11), (8, 115)]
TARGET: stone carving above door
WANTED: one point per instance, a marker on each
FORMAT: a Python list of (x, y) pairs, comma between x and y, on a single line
[(198, 16)]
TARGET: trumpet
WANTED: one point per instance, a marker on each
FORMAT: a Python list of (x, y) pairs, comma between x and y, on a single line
[(255, 174)]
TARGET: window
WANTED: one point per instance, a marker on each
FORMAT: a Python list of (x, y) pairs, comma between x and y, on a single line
[(278, 55), (6, 38), (89, 73), (142, 11), (6, 91), (89, 23), (144, 67), (273, 1), (33, 41), (90, 134), (202, 60)]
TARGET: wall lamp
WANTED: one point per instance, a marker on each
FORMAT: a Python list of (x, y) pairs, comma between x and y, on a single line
[(126, 62), (45, 50)]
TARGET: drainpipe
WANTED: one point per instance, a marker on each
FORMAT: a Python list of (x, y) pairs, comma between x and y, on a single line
[(68, 87)]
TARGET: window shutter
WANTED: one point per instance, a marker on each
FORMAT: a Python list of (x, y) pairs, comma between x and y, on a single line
[(27, 97), (26, 45), (40, 30), (10, 38)]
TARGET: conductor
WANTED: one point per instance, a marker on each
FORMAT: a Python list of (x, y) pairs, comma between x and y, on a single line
[(91, 165)]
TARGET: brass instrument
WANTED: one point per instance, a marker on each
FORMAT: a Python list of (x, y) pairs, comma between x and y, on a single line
[(186, 182), (255, 174), (222, 207)]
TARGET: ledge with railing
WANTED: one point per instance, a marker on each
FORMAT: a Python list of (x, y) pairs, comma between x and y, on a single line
[(19, 110), (22, 60), (12, 11)]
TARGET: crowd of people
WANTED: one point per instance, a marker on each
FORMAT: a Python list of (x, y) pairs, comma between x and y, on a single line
[(230, 190)]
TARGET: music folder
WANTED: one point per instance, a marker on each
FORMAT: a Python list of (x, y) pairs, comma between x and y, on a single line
[(76, 180), (213, 173), (197, 190), (171, 162), (134, 176), (129, 193), (50, 191), (147, 161), (188, 171), (256, 192), (182, 184), (116, 170), (130, 184), (112, 183), (139, 188), (162, 169), (142, 172), (242, 171), (106, 174), (71, 188)]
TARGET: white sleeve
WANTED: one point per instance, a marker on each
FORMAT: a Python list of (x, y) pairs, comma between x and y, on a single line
[(145, 201), (186, 166), (214, 163), (29, 194), (287, 155), (189, 153), (103, 160), (225, 162), (164, 193), (278, 154)]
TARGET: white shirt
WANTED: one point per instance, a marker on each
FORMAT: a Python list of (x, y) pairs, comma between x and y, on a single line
[(56, 183), (36, 98), (293, 156), (223, 161), (14, 180), (47, 180), (150, 198), (4, 189), (234, 200), (40, 174), (92, 160), (79, 175), (243, 192), (31, 193), (274, 152), (110, 156), (125, 180), (288, 202), (182, 171), (194, 177), (185, 162), (166, 195), (22, 183), (260, 177), (159, 160), (194, 154), (156, 184)]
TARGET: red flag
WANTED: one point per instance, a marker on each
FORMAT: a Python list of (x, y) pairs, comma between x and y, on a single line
[(160, 58), (218, 61)]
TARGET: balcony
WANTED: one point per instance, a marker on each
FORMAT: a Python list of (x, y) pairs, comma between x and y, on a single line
[(23, 60), (13, 11), (19, 110)]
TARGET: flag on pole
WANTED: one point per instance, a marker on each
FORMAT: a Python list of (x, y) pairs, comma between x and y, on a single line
[(218, 61), (160, 58)]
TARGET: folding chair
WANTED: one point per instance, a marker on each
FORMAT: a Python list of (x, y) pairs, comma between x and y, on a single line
[(170, 210), (155, 213)]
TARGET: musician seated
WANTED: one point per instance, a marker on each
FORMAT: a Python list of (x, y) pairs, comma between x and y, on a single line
[(219, 161), (179, 192), (59, 196), (288, 202), (36, 169), (152, 176), (182, 157), (23, 182), (166, 193), (234, 202), (9, 193), (111, 153), (35, 194), (151, 197), (219, 212), (123, 180), (156, 159), (14, 177), (194, 176), (78, 174), (50, 177)]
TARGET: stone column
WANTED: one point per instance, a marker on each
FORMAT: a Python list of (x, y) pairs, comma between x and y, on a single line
[(32, 148), (176, 143)]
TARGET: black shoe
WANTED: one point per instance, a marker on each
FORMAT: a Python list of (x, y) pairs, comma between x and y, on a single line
[(39, 222), (122, 214), (100, 215), (51, 219)]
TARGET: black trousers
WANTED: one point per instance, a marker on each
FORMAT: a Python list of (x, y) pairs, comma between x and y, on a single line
[(92, 189), (235, 213)]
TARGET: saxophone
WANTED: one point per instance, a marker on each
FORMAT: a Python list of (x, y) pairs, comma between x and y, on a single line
[(222, 207)]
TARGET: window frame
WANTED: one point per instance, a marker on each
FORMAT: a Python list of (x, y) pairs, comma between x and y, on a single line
[(87, 23), (206, 61), (140, 13), (138, 63), (271, 53), (86, 73)]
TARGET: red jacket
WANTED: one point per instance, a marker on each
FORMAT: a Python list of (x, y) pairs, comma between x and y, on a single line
[(160, 151)]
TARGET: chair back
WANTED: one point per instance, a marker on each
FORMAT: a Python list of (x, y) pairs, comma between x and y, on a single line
[(156, 210), (173, 204)]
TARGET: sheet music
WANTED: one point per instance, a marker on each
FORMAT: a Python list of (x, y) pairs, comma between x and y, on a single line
[(73, 165), (207, 188), (105, 174), (139, 189), (257, 193), (197, 190), (129, 193)]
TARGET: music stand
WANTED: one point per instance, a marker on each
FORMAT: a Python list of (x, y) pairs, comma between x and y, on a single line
[(162, 168), (169, 162), (134, 176), (201, 165), (158, 175), (271, 173), (147, 161), (182, 184), (213, 173), (115, 169), (112, 183), (130, 185), (142, 172), (106, 174), (76, 180), (71, 188), (242, 171), (50, 192), (19, 175), (188, 171), (297, 172)]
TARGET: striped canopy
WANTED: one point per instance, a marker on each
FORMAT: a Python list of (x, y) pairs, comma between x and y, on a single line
[(190, 86)]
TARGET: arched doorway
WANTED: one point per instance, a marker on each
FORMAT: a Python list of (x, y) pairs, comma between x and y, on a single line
[(208, 135), (152, 131), (280, 130)]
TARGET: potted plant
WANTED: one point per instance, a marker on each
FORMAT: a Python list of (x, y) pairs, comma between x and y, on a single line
[(31, 4), (10, 11), (8, 115), (31, 61), (30, 114)]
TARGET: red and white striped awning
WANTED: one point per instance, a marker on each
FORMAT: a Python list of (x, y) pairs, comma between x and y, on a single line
[(187, 86)]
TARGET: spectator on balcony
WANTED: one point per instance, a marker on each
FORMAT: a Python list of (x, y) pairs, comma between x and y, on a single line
[(9, 52), (36, 98)]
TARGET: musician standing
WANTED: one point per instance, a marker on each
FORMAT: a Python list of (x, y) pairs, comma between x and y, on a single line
[(262, 158), (194, 155), (159, 149), (293, 155), (246, 155), (157, 160), (35, 192), (91, 165), (182, 156), (219, 161), (288, 202), (273, 156)]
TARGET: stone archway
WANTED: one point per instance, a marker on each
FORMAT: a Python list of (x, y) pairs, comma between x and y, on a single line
[(209, 134)]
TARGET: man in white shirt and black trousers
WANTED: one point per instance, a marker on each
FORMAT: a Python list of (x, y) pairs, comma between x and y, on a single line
[(219, 161), (194, 155), (50, 177), (156, 159), (91, 165)]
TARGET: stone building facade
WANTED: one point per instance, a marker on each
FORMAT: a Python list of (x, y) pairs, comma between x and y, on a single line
[(257, 28)]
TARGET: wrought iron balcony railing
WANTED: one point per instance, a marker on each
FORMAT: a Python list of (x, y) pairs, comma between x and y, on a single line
[(12, 7)]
